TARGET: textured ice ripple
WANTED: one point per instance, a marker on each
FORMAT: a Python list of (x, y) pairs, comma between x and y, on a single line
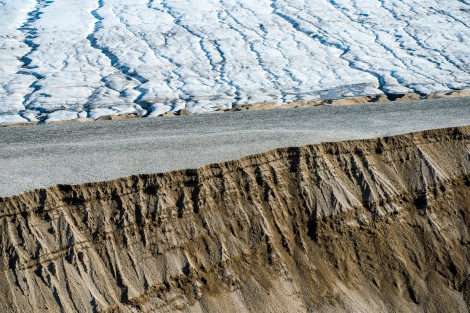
[(65, 59)]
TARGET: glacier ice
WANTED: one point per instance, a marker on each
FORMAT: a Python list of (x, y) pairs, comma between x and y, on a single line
[(149, 57)]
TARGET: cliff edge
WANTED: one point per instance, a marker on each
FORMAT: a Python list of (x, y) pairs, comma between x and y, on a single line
[(377, 225)]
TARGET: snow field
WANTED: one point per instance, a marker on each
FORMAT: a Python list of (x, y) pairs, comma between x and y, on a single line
[(65, 59)]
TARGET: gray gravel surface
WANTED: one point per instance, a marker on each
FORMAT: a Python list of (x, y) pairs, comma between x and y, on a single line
[(40, 156)]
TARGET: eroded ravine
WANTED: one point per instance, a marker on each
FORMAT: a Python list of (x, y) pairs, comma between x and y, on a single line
[(377, 225)]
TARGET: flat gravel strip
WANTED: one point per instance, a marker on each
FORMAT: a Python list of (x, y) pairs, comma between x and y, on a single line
[(40, 156)]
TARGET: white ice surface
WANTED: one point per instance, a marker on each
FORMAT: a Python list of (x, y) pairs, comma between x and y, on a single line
[(103, 57)]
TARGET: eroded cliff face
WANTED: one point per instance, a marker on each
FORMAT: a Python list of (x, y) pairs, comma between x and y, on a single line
[(363, 226)]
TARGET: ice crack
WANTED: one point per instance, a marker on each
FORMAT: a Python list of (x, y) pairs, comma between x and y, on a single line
[(420, 44), (202, 42), (323, 39), (114, 60), (30, 34)]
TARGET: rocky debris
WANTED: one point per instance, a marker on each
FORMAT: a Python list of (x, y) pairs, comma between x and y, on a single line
[(183, 112)]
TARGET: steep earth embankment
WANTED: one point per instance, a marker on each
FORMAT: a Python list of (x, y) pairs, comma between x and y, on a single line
[(376, 225)]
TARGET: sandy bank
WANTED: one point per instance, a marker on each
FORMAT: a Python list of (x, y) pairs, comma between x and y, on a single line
[(379, 225)]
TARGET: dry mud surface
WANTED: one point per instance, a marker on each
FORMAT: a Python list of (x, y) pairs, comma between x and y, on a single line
[(378, 225)]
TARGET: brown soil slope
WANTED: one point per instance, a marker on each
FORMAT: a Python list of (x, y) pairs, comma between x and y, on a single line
[(363, 226)]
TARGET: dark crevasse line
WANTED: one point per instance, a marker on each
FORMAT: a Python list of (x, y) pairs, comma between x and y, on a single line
[(446, 57), (417, 40), (30, 34), (392, 73), (132, 75), (414, 37), (259, 57), (380, 78), (223, 74), (322, 40), (205, 51), (256, 53), (182, 94), (393, 52), (320, 35), (458, 20), (170, 60)]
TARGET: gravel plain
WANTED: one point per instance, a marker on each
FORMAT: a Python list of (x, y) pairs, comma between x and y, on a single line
[(40, 156)]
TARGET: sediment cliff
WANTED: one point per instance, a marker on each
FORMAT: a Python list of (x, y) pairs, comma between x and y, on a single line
[(377, 225)]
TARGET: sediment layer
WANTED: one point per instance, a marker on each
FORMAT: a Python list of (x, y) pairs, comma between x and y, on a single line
[(376, 225)]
